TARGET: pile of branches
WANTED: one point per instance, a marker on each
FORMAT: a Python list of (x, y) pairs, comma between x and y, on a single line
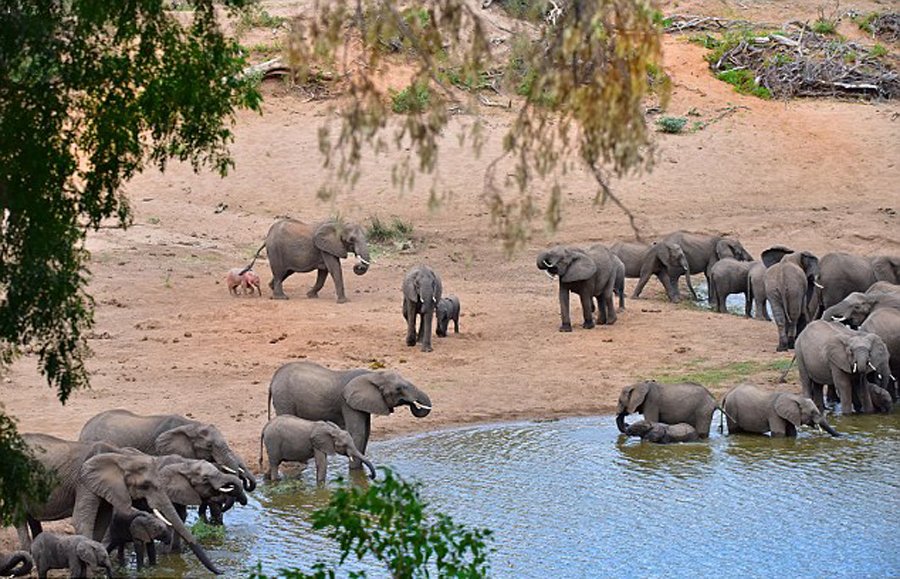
[(886, 26), (803, 63), (681, 22)]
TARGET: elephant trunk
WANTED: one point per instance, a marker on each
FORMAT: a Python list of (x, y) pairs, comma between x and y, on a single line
[(232, 464), (237, 493), (620, 422), (17, 564), (361, 458), (363, 261), (421, 406), (163, 509), (828, 428)]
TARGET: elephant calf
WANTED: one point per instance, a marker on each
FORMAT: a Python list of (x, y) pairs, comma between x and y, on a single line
[(730, 276), (141, 529), (751, 409), (447, 311), (80, 555), (290, 438), (662, 433)]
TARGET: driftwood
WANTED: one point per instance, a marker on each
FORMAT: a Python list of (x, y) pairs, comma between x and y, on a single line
[(886, 26), (682, 22)]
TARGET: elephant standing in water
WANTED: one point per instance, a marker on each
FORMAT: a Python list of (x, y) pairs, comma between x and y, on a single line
[(82, 556), (730, 276), (296, 247), (589, 273), (422, 291), (833, 354), (885, 323), (790, 280), (841, 274), (346, 398), (751, 409), (687, 402)]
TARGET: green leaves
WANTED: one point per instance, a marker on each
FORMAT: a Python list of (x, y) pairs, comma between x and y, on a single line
[(22, 478)]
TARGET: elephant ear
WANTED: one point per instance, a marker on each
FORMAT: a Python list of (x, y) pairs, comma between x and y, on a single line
[(177, 441), (774, 254), (636, 397), (579, 268), (328, 239), (323, 437), (788, 407), (177, 484), (364, 394), (886, 268), (725, 248), (105, 477), (86, 553), (838, 354)]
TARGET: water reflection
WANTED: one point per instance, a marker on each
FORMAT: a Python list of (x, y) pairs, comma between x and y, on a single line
[(573, 498)]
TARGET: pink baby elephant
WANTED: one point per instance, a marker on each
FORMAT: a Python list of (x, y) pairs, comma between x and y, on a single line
[(246, 279)]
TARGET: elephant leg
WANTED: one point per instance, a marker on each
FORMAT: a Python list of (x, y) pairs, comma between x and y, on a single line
[(321, 275), (151, 554), (358, 424), (425, 330), (748, 303), (844, 386), (781, 323), (587, 309), (646, 271), (409, 312), (566, 325), (272, 473), (610, 302), (865, 396), (277, 284), (321, 467), (138, 555), (334, 268), (670, 282)]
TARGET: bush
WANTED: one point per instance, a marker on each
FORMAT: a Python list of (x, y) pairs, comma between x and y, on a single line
[(824, 26), (381, 232), (744, 81), (411, 100), (672, 125)]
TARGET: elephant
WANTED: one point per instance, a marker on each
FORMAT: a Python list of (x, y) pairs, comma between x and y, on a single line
[(16, 564), (700, 252), (167, 434), (296, 247), (790, 281), (447, 311), (421, 293), (631, 253), (730, 276), (831, 353), (619, 284), (748, 408), (686, 402), (141, 529), (589, 273), (295, 439), (885, 323), (82, 556), (756, 284), (347, 398), (882, 401), (856, 307), (841, 274), (662, 433)]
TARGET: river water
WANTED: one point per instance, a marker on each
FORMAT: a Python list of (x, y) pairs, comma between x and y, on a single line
[(572, 498)]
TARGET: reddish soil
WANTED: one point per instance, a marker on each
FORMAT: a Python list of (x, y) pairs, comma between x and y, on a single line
[(820, 175)]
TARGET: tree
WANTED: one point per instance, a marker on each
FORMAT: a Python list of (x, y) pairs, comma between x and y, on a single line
[(90, 92), (580, 73)]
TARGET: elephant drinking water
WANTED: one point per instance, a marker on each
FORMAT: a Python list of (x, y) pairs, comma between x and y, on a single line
[(687, 402), (750, 409)]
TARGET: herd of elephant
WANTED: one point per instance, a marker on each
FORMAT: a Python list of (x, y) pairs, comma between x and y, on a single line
[(130, 478)]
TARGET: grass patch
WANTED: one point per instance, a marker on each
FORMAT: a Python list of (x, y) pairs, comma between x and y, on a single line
[(265, 48), (824, 26), (386, 232), (286, 486), (699, 371), (256, 17), (865, 21), (413, 99), (878, 51), (744, 81), (208, 533), (672, 125)]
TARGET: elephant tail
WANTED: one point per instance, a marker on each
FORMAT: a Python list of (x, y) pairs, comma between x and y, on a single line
[(255, 257), (722, 415), (783, 378), (261, 436), (269, 404)]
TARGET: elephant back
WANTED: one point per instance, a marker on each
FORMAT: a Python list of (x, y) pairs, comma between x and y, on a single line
[(123, 428), (309, 390), (289, 235)]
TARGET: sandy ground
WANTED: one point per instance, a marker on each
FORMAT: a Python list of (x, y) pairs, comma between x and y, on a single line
[(819, 175)]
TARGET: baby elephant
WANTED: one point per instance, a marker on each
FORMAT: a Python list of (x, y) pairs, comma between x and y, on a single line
[(16, 564), (296, 439), (141, 529), (80, 555), (447, 310), (246, 279), (662, 433)]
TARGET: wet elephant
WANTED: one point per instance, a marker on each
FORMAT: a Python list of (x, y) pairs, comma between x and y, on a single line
[(885, 323), (686, 402), (753, 410), (660, 433)]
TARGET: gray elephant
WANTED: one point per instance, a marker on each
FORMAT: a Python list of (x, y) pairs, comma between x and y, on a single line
[(833, 354), (662, 433), (347, 398), (700, 251), (882, 401), (447, 311), (162, 434), (751, 409), (730, 276), (422, 291), (686, 402), (92, 490), (619, 284), (588, 273), (16, 564), (790, 282), (141, 529), (631, 253), (296, 439), (296, 247), (856, 307), (82, 556), (841, 274), (885, 323), (756, 284)]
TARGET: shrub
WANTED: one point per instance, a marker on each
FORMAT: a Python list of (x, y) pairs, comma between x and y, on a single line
[(744, 82), (878, 51), (411, 100), (381, 232), (824, 26), (672, 125)]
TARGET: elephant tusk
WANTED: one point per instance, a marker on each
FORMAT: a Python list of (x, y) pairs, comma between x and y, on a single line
[(421, 406), (226, 489), (874, 369), (229, 470), (853, 370), (550, 275), (838, 318), (818, 285), (161, 517), (546, 263), (241, 471), (363, 261)]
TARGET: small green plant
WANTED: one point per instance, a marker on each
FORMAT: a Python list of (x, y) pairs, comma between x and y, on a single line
[(878, 51), (865, 21), (705, 40), (672, 125), (660, 19), (265, 48), (781, 59), (744, 81), (382, 232), (824, 26), (208, 533), (256, 17), (413, 99), (530, 10)]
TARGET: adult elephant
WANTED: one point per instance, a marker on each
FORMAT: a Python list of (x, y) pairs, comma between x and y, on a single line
[(91, 482), (16, 564), (422, 291), (756, 284), (700, 251), (347, 398), (751, 409), (686, 402), (856, 307), (790, 282), (589, 273), (296, 247), (885, 323), (730, 276), (167, 434), (833, 354), (632, 255)]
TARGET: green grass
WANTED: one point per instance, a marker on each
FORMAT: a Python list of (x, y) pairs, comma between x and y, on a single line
[(383, 232), (208, 533), (878, 51), (265, 48), (824, 26), (744, 81), (257, 17), (700, 371), (865, 22), (413, 99), (673, 125)]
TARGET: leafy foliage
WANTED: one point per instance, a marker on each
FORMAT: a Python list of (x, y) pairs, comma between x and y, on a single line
[(22, 478), (389, 521), (671, 124), (744, 81)]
